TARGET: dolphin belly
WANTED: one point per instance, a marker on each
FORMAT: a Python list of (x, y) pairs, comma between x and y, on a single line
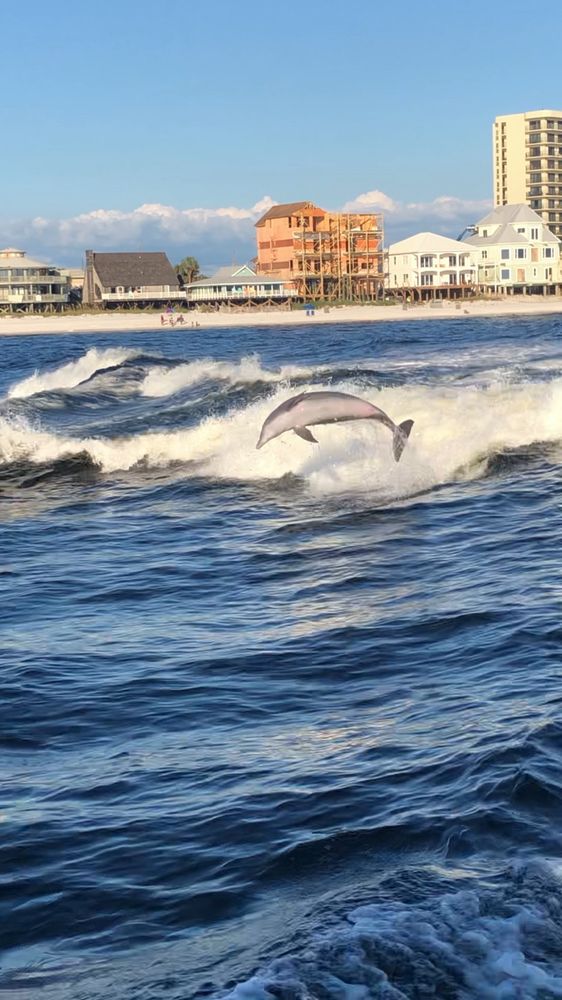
[(309, 409)]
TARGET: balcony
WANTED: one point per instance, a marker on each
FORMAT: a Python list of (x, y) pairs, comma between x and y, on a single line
[(154, 296), (29, 298), (209, 293)]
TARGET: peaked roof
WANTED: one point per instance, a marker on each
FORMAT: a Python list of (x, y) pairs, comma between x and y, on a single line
[(237, 275), (134, 269), (504, 219), (506, 214), (430, 243), (288, 209)]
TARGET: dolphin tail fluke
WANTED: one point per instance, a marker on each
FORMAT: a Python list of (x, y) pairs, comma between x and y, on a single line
[(401, 435)]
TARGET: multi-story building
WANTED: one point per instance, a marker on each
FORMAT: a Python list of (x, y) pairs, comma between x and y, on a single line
[(329, 255), (516, 252), (527, 150), (430, 266), (28, 285)]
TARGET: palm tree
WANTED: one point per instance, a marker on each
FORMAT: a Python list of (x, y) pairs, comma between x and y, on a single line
[(188, 270)]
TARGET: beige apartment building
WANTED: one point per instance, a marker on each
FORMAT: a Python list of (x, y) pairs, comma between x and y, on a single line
[(527, 151)]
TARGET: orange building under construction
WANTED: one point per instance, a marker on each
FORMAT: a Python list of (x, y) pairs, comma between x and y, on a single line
[(329, 255)]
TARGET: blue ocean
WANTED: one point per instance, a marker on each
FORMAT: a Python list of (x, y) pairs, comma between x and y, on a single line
[(282, 723)]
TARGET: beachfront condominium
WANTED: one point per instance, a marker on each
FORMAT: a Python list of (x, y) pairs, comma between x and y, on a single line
[(527, 151)]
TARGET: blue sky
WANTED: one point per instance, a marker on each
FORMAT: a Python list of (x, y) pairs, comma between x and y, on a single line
[(171, 125)]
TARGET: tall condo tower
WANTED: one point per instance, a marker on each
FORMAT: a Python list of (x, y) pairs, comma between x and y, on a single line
[(527, 150)]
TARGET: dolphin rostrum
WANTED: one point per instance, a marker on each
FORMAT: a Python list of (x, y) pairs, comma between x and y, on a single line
[(310, 408)]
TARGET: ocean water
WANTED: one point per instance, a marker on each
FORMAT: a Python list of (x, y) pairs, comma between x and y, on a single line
[(281, 724)]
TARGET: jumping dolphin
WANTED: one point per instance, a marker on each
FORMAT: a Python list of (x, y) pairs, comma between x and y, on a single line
[(310, 408)]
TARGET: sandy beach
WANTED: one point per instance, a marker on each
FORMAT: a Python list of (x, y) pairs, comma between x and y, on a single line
[(110, 322)]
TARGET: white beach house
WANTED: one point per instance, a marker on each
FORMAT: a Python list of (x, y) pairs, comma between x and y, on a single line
[(516, 252), (28, 285), (430, 266), (241, 285)]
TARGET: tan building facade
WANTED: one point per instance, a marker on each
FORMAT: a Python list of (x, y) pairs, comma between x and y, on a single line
[(527, 152), (329, 255)]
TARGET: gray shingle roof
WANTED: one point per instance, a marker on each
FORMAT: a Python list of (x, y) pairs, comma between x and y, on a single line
[(134, 269), (505, 214)]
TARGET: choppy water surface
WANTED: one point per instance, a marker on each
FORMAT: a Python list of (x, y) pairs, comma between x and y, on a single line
[(284, 723)]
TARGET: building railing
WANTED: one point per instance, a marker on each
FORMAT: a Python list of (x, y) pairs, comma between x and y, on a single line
[(15, 299), (157, 296), (249, 292), (30, 277)]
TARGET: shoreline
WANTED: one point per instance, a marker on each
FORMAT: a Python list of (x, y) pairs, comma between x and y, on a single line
[(67, 323)]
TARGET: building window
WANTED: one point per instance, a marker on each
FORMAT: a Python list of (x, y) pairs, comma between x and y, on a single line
[(520, 253), (505, 254), (427, 279), (426, 261), (484, 255), (548, 252), (452, 260), (484, 232), (505, 273)]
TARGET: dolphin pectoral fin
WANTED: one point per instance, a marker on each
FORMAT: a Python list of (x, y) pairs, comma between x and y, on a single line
[(401, 435), (304, 433)]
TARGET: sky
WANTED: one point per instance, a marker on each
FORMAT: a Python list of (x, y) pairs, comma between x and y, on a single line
[(173, 125)]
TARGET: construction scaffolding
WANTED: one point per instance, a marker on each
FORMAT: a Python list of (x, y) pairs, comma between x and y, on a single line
[(338, 257)]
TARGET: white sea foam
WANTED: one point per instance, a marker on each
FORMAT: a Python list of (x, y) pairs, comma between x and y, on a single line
[(248, 369), (72, 373), (454, 429), (456, 942)]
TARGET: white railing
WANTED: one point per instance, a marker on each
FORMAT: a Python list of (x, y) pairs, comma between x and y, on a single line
[(224, 294), (156, 296)]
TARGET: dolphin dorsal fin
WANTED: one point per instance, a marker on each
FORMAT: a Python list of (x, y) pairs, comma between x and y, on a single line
[(296, 399)]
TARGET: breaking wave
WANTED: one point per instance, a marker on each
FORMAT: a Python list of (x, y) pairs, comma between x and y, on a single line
[(457, 432), (72, 373)]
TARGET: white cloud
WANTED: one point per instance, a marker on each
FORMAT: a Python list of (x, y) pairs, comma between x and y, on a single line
[(446, 214), (214, 235)]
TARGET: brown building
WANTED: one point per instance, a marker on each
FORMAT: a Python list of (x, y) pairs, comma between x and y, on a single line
[(330, 255), (121, 280)]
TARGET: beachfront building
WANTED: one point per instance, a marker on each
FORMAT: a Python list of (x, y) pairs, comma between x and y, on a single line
[(240, 286), (527, 152), (329, 255), (430, 266), (127, 280), (28, 285), (516, 252)]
